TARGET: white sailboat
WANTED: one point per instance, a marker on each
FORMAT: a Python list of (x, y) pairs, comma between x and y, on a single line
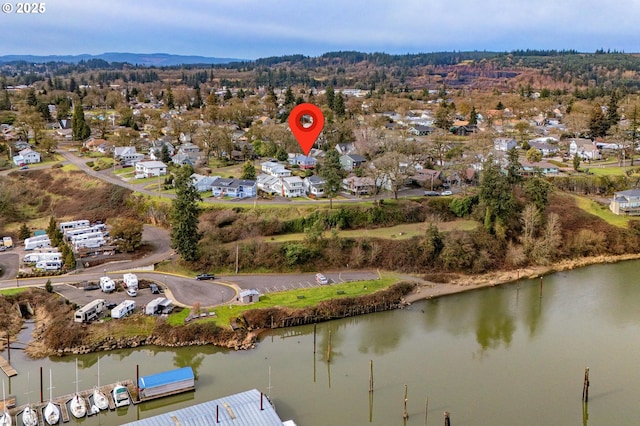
[(78, 405), (51, 410), (29, 415), (99, 398), (5, 417)]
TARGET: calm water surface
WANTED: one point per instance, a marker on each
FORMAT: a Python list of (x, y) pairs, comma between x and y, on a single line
[(500, 356)]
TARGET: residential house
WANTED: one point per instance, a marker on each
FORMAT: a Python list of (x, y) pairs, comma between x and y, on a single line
[(275, 169), (546, 149), (203, 183), (345, 148), (530, 169), (26, 156), (303, 162), (267, 183), (93, 144), (358, 185), (314, 186), (181, 159), (155, 150), (504, 144), (350, 162), (235, 188), (585, 149), (427, 178), (150, 168), (419, 130), (626, 202), (289, 187), (127, 155)]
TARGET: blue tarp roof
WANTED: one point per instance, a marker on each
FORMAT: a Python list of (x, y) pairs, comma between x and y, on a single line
[(161, 379)]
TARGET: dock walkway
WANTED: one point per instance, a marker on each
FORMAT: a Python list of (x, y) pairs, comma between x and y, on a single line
[(7, 368)]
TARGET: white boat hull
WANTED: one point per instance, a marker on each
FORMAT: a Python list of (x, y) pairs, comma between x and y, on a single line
[(121, 396), (5, 419), (51, 413), (29, 417), (78, 406), (100, 399)]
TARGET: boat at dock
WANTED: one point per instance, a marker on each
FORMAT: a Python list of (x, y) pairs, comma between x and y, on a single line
[(51, 411), (100, 400), (29, 416), (78, 405), (121, 396), (5, 417)]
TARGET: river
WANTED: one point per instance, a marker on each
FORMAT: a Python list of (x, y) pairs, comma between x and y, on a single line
[(506, 355)]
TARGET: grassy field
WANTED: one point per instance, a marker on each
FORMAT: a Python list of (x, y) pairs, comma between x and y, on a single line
[(298, 298), (404, 231), (609, 171), (601, 211)]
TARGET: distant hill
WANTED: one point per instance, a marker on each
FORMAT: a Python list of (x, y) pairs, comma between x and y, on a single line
[(145, 59)]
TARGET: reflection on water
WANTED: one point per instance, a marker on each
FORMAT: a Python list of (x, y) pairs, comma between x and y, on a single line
[(502, 355)]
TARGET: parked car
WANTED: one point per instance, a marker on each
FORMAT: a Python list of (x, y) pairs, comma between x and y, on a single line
[(23, 168), (321, 279), (205, 277), (446, 193), (154, 288), (431, 193), (132, 292)]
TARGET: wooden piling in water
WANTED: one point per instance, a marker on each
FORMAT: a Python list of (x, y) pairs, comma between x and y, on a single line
[(426, 410), (370, 375), (540, 285), (405, 415), (447, 420), (329, 348), (585, 386), (314, 338), (41, 396)]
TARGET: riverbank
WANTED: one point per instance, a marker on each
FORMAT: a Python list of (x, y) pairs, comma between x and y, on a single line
[(461, 283)]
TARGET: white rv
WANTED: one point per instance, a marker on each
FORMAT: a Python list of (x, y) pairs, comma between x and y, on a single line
[(90, 243), (74, 224), (37, 242), (90, 311), (48, 265), (107, 285), (123, 309), (37, 257)]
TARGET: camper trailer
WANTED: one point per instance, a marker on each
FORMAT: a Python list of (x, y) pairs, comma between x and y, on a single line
[(90, 311), (90, 243), (107, 285), (123, 309), (49, 265), (39, 242), (37, 257), (74, 224)]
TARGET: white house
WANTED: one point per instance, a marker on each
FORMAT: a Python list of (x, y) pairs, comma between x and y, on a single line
[(150, 168), (584, 148), (267, 183), (504, 144), (127, 155), (155, 151), (314, 186), (546, 149), (26, 156), (275, 169), (289, 187), (235, 188), (358, 185)]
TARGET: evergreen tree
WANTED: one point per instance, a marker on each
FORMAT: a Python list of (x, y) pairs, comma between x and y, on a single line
[(497, 197), (248, 171), (80, 130), (197, 98), (165, 155), (513, 167), (443, 117), (184, 216), (24, 232), (289, 99), (598, 123), (168, 98), (338, 105), (227, 94), (331, 96), (613, 118), (473, 116), (332, 173)]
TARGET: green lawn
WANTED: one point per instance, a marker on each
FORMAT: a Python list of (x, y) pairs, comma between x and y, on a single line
[(601, 211), (608, 171), (301, 298), (404, 231)]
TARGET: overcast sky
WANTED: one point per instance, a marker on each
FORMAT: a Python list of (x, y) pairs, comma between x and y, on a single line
[(250, 29)]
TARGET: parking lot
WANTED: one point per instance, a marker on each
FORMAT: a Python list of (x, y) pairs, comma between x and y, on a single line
[(272, 283), (80, 296)]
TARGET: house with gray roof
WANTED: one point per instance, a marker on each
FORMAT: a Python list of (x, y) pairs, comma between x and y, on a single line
[(626, 202)]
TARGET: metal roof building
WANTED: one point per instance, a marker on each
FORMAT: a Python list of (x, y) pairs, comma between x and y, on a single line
[(249, 408)]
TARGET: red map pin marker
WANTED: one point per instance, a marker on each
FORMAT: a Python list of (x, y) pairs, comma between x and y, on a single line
[(306, 129)]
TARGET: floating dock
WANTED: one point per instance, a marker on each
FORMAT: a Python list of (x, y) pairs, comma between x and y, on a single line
[(7, 368)]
